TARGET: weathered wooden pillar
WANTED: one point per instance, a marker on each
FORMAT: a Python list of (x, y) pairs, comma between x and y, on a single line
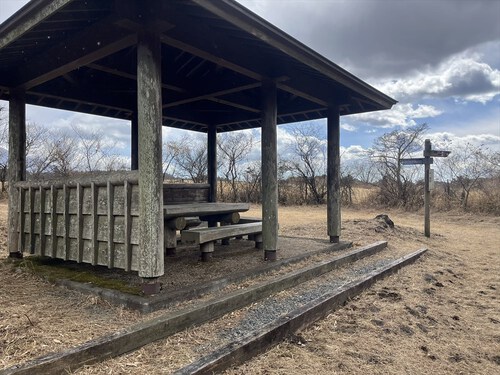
[(333, 174), (134, 142), (212, 162), (269, 171), (17, 165), (149, 109)]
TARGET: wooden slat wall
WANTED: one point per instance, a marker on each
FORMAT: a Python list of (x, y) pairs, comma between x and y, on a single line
[(84, 221)]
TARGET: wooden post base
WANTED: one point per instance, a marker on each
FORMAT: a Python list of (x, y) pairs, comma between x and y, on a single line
[(270, 255), (334, 239), (170, 251), (205, 257), (151, 286)]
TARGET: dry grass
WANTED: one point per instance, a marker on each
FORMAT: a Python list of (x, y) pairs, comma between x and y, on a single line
[(441, 315)]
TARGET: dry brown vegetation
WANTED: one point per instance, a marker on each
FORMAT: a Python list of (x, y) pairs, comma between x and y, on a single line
[(440, 315)]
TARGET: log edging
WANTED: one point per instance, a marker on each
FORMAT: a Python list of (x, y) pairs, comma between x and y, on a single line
[(241, 350), (168, 324)]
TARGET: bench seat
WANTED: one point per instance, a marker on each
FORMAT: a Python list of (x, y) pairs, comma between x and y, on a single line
[(206, 237)]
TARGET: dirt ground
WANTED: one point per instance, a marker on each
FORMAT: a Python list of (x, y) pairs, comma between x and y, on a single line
[(440, 315)]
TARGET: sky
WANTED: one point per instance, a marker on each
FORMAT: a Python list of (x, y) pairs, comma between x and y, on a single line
[(440, 59)]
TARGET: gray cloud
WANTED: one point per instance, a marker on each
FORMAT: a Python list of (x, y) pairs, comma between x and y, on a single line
[(384, 37)]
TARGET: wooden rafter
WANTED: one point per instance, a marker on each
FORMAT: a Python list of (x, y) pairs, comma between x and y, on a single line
[(133, 77)]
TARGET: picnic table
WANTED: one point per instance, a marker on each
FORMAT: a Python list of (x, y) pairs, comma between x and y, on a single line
[(176, 216)]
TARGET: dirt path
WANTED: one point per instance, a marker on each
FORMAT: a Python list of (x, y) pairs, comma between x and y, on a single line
[(441, 315)]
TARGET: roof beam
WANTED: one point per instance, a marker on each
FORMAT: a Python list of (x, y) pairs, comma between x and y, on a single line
[(210, 57), (42, 96), (302, 94), (212, 95), (132, 77), (234, 105), (29, 16), (92, 44)]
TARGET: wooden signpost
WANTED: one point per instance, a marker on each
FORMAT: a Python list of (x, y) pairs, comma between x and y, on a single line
[(427, 161)]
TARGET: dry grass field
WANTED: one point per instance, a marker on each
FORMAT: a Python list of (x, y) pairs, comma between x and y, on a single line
[(440, 315)]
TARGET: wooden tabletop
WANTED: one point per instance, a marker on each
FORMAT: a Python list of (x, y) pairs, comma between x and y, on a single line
[(203, 209)]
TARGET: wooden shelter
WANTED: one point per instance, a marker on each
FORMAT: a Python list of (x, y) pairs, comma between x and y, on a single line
[(207, 66)]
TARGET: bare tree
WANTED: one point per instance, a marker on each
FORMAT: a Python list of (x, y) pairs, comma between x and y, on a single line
[(387, 152), (190, 157), (309, 162), (233, 150), (252, 178), (468, 165)]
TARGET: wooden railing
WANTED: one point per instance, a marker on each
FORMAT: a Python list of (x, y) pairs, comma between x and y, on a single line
[(91, 219)]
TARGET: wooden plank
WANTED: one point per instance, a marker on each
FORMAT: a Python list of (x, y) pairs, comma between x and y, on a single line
[(203, 209), (53, 221), (66, 223), (261, 340), (95, 225), (203, 235), (111, 224), (31, 211), (43, 217), (85, 179), (185, 193), (79, 195), (128, 226), (22, 220)]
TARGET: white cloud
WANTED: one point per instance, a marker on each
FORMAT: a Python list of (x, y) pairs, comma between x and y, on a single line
[(463, 76), (451, 141), (400, 115)]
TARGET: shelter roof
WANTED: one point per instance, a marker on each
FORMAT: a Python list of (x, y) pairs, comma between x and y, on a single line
[(80, 55)]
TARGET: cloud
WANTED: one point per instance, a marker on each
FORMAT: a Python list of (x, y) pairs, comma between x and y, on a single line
[(451, 141), (384, 38), (463, 77), (403, 115)]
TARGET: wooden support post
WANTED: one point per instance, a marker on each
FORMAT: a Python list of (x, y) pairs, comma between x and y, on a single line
[(427, 190), (151, 258), (212, 162), (269, 171), (17, 166), (134, 143), (333, 174)]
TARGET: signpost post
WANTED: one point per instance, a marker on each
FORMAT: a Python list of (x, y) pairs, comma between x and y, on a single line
[(426, 161)]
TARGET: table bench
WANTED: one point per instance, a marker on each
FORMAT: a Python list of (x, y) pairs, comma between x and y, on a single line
[(184, 216), (206, 237)]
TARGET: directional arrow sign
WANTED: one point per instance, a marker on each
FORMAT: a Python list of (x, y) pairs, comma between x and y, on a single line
[(440, 154), (415, 161)]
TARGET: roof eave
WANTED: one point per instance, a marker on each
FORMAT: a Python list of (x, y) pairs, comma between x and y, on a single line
[(27, 17)]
